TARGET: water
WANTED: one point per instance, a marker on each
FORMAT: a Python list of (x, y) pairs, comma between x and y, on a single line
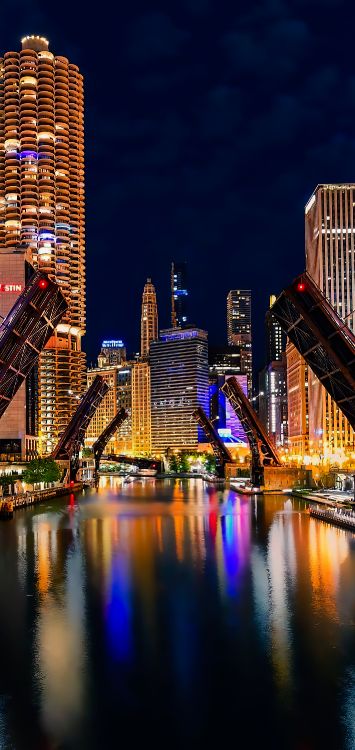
[(166, 615)]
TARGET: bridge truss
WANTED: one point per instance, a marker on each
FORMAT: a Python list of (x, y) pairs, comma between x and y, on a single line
[(263, 452), (72, 439), (25, 331), (220, 451), (106, 435), (322, 338)]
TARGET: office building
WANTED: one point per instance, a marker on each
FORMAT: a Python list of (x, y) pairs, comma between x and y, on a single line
[(141, 409), (330, 260), (239, 329), (223, 363), (42, 206), (113, 352), (149, 318), (179, 384), (18, 427), (275, 337), (297, 403), (273, 401), (119, 379), (179, 294)]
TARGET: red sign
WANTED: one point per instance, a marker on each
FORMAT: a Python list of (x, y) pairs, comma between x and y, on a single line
[(14, 288)]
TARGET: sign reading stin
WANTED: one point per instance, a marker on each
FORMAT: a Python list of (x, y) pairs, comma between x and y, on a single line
[(11, 288)]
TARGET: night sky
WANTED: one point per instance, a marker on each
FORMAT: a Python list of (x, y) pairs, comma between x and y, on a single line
[(208, 125)]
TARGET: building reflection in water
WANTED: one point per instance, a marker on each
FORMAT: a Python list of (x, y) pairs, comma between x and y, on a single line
[(138, 569)]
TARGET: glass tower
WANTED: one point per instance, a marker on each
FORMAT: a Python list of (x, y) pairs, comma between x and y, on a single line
[(179, 294), (179, 384), (239, 329)]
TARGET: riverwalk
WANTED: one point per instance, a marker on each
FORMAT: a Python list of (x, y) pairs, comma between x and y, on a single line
[(26, 499), (335, 516)]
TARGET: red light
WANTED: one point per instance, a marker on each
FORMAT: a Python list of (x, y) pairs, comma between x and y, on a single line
[(71, 483), (43, 284), (301, 286)]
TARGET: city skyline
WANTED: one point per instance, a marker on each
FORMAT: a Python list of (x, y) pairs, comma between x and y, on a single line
[(169, 107)]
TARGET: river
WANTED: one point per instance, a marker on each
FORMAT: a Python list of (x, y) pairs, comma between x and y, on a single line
[(170, 614)]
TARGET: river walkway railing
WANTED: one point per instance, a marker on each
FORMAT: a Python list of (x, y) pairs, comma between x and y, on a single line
[(337, 516), (25, 499)]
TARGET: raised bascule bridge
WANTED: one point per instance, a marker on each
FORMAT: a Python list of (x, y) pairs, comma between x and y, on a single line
[(263, 451), (221, 452), (322, 338), (25, 331), (72, 439), (106, 435)]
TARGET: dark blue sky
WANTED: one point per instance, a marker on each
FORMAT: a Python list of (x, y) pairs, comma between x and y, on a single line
[(208, 124)]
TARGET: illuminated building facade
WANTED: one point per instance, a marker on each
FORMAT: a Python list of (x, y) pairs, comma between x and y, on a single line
[(149, 318), (297, 403), (18, 428), (42, 206), (179, 384), (141, 410), (275, 337), (223, 363), (239, 329), (113, 352), (330, 259), (179, 294), (273, 401), (119, 378)]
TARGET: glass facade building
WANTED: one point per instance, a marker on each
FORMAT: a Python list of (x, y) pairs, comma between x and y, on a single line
[(179, 384), (239, 329), (179, 294)]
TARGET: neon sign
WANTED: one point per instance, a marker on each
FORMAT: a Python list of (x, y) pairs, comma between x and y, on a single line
[(11, 288)]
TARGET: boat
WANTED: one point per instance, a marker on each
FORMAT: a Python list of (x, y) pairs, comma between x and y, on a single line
[(147, 472), (6, 509)]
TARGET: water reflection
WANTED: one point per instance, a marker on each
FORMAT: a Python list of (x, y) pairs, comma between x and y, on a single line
[(175, 596)]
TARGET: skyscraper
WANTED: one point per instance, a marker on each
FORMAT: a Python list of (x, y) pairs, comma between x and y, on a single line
[(179, 294), (179, 384), (273, 400), (275, 337), (141, 409), (330, 260), (42, 206), (119, 396), (239, 329), (149, 318)]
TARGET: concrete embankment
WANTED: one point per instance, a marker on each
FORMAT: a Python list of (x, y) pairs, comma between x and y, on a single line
[(40, 496)]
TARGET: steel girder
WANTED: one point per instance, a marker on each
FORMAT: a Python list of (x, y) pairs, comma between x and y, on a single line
[(106, 435), (222, 453), (25, 331), (322, 338), (263, 452), (72, 438)]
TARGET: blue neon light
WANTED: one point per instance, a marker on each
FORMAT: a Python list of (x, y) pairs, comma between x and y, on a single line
[(112, 344)]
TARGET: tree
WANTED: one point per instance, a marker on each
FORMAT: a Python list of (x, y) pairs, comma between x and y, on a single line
[(87, 452), (210, 464), (184, 464), (173, 464), (42, 470)]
